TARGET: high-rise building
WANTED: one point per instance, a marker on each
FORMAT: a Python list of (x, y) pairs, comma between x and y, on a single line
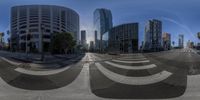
[(153, 34), (1, 40), (1, 37), (102, 23), (181, 41), (122, 38), (190, 44), (198, 35), (166, 37), (38, 23), (83, 37), (96, 44), (91, 46), (198, 44)]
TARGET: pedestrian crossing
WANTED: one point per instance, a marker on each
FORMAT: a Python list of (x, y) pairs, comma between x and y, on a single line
[(122, 80), (145, 80), (186, 50), (134, 80), (133, 61), (135, 74), (131, 67)]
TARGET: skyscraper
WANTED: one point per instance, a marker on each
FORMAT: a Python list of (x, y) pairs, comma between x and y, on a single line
[(198, 44), (198, 35), (95, 40), (166, 37), (1, 37), (122, 38), (102, 23), (1, 40), (83, 37), (40, 22), (91, 46), (153, 33), (181, 40), (190, 44)]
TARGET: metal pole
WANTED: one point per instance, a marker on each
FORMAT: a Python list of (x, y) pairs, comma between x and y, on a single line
[(27, 43), (42, 53)]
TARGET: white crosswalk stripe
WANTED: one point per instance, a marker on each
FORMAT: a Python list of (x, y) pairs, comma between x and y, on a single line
[(131, 59), (131, 67), (134, 80), (143, 61), (131, 80)]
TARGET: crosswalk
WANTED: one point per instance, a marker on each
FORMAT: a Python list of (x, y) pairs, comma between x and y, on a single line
[(134, 74), (143, 80), (126, 77), (186, 50)]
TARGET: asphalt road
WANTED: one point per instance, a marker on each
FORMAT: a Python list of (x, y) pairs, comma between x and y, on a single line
[(39, 82), (163, 75), (103, 86)]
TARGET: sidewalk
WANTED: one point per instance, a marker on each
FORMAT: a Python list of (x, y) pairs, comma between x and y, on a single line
[(35, 58), (32, 61)]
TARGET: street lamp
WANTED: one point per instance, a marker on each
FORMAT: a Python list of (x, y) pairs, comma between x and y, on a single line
[(27, 42), (28, 37), (42, 52)]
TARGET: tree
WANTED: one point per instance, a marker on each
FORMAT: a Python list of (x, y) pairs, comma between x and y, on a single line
[(62, 42)]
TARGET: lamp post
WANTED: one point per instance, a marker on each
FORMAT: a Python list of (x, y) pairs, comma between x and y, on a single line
[(27, 42), (42, 52)]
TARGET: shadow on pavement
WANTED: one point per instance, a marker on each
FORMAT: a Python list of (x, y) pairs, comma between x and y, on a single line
[(34, 82), (173, 86)]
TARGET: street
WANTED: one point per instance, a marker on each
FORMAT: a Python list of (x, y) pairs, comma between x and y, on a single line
[(170, 75)]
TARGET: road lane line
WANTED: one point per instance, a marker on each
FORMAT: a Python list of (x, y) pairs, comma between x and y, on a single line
[(143, 61), (131, 67), (132, 58), (11, 62), (133, 80), (49, 72)]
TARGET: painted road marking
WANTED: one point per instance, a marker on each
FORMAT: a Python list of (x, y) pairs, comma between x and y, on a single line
[(11, 62), (131, 67), (133, 80), (143, 61), (49, 72)]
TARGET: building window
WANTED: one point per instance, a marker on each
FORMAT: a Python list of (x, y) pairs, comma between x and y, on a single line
[(33, 30)]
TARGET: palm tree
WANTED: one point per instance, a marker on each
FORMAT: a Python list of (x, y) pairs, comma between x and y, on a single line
[(173, 43)]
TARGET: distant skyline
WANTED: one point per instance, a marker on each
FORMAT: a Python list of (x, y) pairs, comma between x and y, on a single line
[(178, 17)]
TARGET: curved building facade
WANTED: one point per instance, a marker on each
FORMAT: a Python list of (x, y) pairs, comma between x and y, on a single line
[(29, 22)]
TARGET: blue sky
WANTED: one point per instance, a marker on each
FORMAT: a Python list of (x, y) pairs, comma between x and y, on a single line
[(178, 16)]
